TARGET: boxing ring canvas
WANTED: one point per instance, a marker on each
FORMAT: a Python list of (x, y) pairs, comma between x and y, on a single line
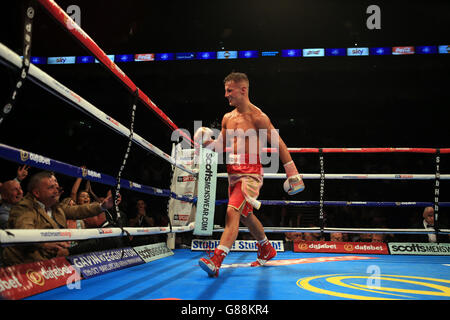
[(297, 276)]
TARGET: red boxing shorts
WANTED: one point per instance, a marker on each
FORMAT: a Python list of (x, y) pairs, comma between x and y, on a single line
[(245, 180)]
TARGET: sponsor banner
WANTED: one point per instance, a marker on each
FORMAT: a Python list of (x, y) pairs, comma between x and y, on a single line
[(239, 245), (61, 60), (444, 49), (336, 52), (380, 51), (270, 53), (357, 51), (206, 198), (426, 249), (248, 54), (144, 57), (341, 247), (85, 59), (164, 56), (97, 263), (24, 280), (206, 55), (291, 53), (313, 52), (124, 57), (402, 50), (426, 49), (110, 57), (182, 184), (185, 56), (227, 54), (38, 60), (153, 252)]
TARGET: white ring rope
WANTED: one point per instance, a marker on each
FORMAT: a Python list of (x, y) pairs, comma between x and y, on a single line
[(17, 236), (353, 176)]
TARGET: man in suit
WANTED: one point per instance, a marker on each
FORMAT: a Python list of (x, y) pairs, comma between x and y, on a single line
[(427, 223)]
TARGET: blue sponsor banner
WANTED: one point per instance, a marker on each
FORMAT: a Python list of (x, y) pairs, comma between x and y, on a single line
[(164, 56), (248, 54), (124, 58), (98, 263), (380, 51), (206, 55), (85, 59), (426, 49), (291, 53), (336, 52), (185, 56), (38, 60), (270, 53)]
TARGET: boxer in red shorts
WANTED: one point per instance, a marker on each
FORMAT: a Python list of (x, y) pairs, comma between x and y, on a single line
[(244, 170)]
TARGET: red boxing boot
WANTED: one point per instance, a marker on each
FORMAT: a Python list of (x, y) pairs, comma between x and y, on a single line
[(212, 265), (265, 253)]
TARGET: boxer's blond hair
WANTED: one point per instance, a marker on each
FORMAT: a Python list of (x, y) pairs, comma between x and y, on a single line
[(237, 77)]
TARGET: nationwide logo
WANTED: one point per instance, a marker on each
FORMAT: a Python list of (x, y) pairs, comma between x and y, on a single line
[(402, 50), (105, 231)]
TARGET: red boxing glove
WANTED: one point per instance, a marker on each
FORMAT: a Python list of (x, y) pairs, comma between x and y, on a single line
[(294, 182)]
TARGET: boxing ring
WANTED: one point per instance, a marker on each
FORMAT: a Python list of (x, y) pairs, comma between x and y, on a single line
[(292, 275)]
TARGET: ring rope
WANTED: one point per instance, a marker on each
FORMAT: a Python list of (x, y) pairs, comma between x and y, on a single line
[(302, 203), (18, 236), (346, 230), (41, 162), (36, 75), (368, 150), (355, 150), (124, 161), (353, 176)]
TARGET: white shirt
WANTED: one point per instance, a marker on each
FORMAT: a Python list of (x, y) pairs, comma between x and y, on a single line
[(431, 236), (49, 211)]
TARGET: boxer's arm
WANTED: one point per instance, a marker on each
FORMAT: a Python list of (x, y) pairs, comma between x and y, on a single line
[(263, 122), (294, 182), (220, 143)]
